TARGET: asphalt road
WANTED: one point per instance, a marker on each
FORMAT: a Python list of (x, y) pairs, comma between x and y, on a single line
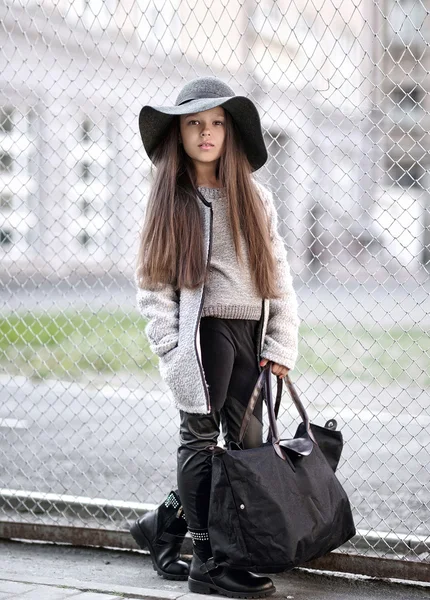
[(405, 303)]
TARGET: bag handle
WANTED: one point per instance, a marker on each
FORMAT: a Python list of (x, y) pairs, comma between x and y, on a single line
[(263, 379), (251, 403), (298, 404), (273, 437)]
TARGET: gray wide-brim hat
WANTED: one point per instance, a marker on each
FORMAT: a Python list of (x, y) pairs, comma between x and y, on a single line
[(204, 93)]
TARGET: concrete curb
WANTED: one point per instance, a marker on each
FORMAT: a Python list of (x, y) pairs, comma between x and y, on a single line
[(141, 593), (102, 588)]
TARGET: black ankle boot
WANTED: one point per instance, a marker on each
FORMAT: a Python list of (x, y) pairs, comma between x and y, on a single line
[(207, 577), (162, 532)]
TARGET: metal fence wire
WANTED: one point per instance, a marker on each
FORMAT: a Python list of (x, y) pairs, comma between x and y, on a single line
[(88, 434)]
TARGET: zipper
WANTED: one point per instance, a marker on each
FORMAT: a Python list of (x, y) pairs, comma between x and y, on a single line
[(260, 337), (260, 368), (208, 402)]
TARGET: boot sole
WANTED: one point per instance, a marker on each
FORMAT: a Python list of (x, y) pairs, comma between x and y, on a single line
[(143, 542), (199, 587)]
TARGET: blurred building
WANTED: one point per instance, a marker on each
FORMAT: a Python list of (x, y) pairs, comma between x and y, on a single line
[(342, 120), (401, 131)]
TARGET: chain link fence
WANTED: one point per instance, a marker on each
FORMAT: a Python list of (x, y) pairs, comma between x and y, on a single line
[(88, 434)]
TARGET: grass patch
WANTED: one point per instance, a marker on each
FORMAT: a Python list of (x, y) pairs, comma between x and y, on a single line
[(368, 354), (71, 344)]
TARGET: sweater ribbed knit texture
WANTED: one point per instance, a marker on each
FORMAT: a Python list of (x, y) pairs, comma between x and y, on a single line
[(230, 292)]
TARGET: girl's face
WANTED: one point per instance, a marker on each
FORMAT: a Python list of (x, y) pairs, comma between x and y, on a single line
[(203, 134)]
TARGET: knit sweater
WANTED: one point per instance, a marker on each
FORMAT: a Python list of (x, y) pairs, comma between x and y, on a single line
[(230, 292)]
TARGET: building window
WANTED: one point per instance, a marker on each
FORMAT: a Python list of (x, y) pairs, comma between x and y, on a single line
[(86, 171), (86, 128), (407, 97), (84, 238), (406, 174), (5, 237), (85, 206), (6, 200), (5, 162), (6, 119)]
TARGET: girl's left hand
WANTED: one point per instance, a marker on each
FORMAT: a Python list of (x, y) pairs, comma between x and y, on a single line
[(278, 370)]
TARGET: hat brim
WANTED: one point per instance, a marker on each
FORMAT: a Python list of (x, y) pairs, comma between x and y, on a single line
[(155, 120)]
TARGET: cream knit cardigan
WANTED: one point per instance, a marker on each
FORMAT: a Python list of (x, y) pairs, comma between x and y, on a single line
[(173, 321)]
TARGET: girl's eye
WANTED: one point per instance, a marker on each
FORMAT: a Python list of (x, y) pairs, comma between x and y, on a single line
[(195, 121)]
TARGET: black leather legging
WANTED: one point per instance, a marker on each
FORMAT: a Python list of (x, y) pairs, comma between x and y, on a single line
[(229, 358)]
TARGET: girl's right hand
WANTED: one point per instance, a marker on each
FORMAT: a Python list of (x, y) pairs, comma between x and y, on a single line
[(277, 369)]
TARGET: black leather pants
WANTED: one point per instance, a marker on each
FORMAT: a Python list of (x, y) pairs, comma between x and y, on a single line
[(229, 358)]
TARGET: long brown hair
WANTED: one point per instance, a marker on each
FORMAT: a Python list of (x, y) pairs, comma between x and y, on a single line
[(171, 249)]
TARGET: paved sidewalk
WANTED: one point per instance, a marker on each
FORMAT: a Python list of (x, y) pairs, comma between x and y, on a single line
[(32, 571)]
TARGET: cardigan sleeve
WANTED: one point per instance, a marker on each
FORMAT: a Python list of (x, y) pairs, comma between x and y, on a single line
[(161, 310), (281, 339)]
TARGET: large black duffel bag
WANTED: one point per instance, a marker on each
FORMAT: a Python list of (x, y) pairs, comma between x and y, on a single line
[(280, 505)]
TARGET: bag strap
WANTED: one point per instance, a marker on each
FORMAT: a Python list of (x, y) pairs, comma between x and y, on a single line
[(263, 379), (273, 410), (251, 403), (273, 436), (278, 396), (298, 404)]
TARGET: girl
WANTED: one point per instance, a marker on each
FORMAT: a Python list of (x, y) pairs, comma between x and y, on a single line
[(215, 287)]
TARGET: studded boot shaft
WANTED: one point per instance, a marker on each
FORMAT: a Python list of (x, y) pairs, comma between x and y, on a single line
[(201, 543)]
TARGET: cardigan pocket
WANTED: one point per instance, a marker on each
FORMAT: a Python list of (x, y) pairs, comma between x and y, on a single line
[(167, 356), (169, 366), (180, 371)]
